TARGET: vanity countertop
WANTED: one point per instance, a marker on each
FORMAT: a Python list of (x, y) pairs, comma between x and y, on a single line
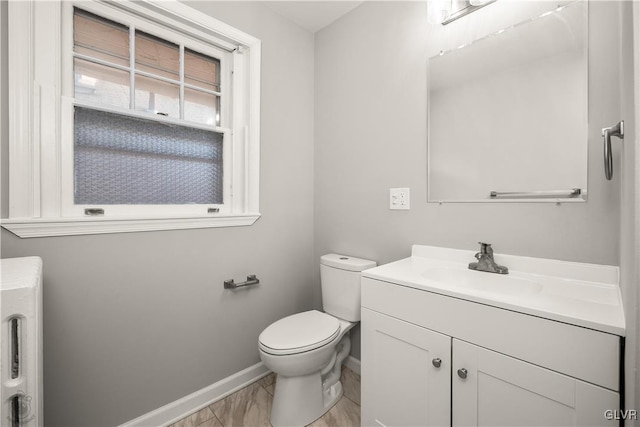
[(580, 294)]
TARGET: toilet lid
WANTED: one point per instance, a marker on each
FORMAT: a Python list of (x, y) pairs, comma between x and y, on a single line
[(299, 333)]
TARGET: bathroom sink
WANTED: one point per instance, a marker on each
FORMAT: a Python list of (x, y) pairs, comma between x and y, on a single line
[(580, 294), (477, 281)]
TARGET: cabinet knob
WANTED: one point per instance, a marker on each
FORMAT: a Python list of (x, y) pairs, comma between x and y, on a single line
[(436, 362), (462, 373)]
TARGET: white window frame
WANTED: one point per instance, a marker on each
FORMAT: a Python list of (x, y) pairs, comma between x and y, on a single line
[(41, 120)]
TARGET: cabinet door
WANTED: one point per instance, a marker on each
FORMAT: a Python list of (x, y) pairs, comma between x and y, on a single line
[(502, 391), (406, 373)]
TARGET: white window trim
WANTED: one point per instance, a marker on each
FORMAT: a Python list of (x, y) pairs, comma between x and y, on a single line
[(37, 154)]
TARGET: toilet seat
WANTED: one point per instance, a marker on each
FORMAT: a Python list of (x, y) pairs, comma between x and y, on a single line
[(299, 333)]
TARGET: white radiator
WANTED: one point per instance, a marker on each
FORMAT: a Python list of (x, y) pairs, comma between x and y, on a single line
[(21, 313)]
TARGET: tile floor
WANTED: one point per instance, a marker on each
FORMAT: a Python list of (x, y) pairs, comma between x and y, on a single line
[(251, 407)]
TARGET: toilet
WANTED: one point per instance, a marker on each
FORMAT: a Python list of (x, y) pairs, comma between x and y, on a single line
[(307, 349)]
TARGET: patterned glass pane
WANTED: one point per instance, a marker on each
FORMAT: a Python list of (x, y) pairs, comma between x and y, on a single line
[(125, 160)]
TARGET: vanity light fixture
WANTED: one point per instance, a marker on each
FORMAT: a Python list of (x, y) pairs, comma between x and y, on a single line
[(446, 11), (438, 11), (479, 2)]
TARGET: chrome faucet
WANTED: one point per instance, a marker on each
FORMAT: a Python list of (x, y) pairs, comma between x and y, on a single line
[(486, 262)]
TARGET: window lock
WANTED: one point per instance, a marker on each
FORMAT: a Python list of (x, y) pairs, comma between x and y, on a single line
[(94, 211)]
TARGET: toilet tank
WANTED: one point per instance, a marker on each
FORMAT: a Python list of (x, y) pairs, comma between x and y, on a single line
[(340, 279)]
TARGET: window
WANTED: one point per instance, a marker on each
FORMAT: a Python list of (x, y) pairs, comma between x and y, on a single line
[(145, 159), (147, 119), (125, 67)]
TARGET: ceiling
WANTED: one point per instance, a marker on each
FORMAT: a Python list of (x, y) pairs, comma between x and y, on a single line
[(312, 15)]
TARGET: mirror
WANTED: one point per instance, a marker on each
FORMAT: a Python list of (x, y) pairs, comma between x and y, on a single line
[(508, 113)]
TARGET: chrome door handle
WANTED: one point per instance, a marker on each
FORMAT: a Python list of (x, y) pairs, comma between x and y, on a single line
[(462, 373), (437, 362)]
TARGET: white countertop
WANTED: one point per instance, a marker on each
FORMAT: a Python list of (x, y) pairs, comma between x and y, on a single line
[(580, 294)]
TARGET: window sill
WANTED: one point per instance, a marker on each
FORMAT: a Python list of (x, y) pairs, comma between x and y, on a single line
[(48, 227)]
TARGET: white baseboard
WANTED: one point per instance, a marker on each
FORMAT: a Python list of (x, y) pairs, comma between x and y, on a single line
[(353, 364), (187, 405), (177, 410)]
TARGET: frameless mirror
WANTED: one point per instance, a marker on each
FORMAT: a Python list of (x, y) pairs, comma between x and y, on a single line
[(508, 113)]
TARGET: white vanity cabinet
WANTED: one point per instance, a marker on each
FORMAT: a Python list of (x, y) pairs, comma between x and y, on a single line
[(430, 359), (407, 374), (491, 389)]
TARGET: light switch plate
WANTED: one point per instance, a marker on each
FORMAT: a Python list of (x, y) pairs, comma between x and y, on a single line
[(399, 198)]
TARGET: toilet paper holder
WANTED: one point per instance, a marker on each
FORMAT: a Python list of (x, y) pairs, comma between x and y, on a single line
[(251, 280)]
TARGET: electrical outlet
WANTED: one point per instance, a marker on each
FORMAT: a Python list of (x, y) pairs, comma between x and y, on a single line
[(399, 198)]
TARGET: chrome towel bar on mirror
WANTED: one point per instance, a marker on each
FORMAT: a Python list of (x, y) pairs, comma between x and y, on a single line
[(251, 280), (607, 133), (552, 194)]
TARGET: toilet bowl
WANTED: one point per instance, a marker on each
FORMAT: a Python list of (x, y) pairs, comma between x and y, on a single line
[(305, 388), (306, 350)]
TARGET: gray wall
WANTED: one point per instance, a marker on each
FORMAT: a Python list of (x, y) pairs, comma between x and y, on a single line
[(135, 321), (630, 213), (4, 104), (370, 135)]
